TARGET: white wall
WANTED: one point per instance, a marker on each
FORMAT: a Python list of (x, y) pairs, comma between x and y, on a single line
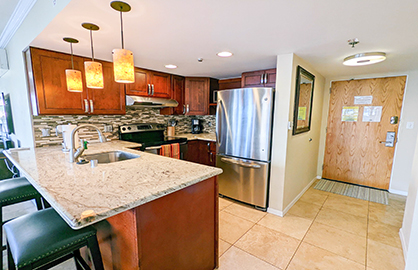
[(294, 158), (14, 81), (404, 152)]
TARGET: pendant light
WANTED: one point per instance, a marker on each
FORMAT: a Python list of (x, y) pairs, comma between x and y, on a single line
[(123, 60), (93, 69), (73, 77)]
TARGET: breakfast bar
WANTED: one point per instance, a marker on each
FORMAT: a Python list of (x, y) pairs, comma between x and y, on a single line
[(151, 212)]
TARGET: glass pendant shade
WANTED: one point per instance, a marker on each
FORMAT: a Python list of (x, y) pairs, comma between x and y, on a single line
[(74, 80), (94, 74), (123, 66)]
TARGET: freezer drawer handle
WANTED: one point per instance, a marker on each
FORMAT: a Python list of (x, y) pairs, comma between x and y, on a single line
[(232, 161)]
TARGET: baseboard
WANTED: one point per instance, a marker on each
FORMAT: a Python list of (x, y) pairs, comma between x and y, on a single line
[(398, 192), (318, 177), (282, 213), (403, 243)]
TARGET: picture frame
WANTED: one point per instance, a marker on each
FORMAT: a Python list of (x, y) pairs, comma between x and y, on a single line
[(305, 83)]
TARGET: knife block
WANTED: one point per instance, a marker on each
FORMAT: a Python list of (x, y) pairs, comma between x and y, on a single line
[(171, 131)]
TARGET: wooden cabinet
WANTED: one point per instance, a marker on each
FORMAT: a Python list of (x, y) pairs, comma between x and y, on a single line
[(177, 85), (229, 83), (150, 83), (260, 78), (202, 152), (196, 95), (48, 87)]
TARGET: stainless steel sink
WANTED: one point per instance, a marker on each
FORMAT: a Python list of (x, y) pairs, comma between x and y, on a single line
[(109, 157)]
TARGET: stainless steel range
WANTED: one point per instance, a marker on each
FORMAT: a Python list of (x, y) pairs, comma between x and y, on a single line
[(151, 136)]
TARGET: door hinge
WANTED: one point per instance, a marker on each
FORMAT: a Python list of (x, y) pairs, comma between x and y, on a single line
[(322, 166), (330, 90)]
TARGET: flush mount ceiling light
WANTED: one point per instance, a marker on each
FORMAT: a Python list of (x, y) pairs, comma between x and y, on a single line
[(170, 66), (362, 59), (123, 60), (73, 77), (93, 70), (224, 54)]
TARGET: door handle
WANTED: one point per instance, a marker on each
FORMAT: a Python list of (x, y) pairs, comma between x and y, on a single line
[(218, 122), (390, 139), (91, 106), (242, 164), (86, 106), (152, 88)]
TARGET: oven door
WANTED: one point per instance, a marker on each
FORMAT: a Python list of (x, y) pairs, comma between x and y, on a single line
[(156, 149)]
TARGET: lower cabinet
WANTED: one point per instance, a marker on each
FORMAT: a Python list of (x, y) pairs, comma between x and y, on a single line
[(202, 152)]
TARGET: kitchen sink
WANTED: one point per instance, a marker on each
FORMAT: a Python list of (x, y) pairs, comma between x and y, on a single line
[(109, 157)]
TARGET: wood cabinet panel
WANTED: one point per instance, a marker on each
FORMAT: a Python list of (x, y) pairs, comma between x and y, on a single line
[(259, 78), (48, 86), (202, 152), (161, 83), (230, 83), (177, 93), (197, 96), (140, 86), (193, 151), (270, 78)]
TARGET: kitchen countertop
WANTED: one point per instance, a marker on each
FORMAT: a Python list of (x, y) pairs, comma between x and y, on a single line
[(202, 136), (83, 195)]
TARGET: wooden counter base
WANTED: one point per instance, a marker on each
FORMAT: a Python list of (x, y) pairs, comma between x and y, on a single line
[(177, 231)]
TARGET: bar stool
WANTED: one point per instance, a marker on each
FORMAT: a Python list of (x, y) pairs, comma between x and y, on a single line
[(44, 239), (13, 191)]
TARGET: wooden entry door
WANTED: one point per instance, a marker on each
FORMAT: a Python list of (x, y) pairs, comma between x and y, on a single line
[(354, 152)]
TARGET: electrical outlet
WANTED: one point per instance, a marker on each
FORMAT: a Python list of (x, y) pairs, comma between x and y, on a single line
[(108, 128)]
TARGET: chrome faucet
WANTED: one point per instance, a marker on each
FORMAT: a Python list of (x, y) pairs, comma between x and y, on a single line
[(79, 151)]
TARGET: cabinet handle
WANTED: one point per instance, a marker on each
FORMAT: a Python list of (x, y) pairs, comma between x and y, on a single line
[(187, 108), (208, 146), (152, 87), (184, 109), (91, 106), (262, 78), (265, 78), (211, 157), (86, 106), (149, 89)]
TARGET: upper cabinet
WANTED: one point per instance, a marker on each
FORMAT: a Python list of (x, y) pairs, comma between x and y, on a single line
[(196, 95), (260, 78), (150, 83), (48, 87), (229, 83), (177, 86)]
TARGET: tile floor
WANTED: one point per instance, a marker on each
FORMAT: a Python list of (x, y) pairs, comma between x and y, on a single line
[(321, 231)]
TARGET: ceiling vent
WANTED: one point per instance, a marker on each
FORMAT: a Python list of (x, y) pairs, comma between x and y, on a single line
[(4, 64)]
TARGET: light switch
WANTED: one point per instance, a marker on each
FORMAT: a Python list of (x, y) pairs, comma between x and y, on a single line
[(409, 125)]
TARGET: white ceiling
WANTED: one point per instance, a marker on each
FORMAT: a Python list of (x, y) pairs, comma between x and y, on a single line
[(6, 9), (178, 32)]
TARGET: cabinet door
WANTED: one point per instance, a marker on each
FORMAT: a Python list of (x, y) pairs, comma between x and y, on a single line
[(110, 99), (270, 78), (197, 96), (140, 86), (252, 79), (161, 83), (193, 151), (178, 94), (48, 86)]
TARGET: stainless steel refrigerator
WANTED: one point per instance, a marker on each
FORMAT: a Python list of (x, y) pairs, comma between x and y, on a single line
[(244, 119)]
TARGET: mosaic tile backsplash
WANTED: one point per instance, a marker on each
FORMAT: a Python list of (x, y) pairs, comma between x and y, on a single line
[(143, 115)]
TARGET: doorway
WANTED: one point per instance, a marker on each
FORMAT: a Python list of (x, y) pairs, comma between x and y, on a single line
[(362, 128)]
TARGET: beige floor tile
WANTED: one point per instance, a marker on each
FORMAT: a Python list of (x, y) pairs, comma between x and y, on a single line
[(269, 245), (314, 196), (310, 257), (291, 225), (236, 259), (386, 214), (347, 205), (384, 233), (223, 246), (340, 220), (384, 257), (223, 203), (245, 212), (231, 227), (340, 242), (304, 209)]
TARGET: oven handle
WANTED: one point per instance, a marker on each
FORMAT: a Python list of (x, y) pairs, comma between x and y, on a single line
[(153, 147)]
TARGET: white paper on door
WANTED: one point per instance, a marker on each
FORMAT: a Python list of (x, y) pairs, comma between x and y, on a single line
[(363, 100), (372, 113), (349, 114)]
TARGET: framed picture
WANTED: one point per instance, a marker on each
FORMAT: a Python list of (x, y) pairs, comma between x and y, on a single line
[(303, 101)]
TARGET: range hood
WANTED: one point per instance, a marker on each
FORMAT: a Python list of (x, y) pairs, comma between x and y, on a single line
[(153, 102)]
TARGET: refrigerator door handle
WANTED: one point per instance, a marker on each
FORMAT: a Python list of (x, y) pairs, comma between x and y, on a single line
[(236, 162), (218, 122)]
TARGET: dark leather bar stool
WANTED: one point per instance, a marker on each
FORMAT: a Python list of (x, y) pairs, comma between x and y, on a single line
[(43, 239), (12, 191)]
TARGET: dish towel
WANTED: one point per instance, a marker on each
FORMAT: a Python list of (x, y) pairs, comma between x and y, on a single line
[(175, 150), (165, 150)]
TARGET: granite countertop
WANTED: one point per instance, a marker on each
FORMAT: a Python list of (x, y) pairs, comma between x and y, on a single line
[(83, 195), (202, 136)]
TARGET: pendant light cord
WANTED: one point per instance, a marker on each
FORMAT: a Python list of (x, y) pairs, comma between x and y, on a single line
[(121, 30), (91, 42), (72, 62)]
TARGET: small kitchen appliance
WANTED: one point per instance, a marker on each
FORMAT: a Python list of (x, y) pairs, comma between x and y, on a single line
[(197, 126)]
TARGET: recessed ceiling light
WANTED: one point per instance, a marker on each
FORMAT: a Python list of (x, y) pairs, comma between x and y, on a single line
[(362, 59), (170, 66), (224, 54)]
